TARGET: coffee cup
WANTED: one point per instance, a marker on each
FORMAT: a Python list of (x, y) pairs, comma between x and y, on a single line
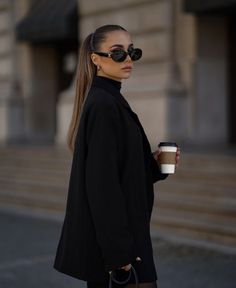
[(167, 157)]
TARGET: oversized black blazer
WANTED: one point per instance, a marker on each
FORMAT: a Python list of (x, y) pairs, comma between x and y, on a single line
[(110, 195)]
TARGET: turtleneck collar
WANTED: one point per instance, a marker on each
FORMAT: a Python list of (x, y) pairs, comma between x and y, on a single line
[(112, 86), (105, 81)]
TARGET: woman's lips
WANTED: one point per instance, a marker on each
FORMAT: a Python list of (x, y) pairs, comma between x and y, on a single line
[(127, 68)]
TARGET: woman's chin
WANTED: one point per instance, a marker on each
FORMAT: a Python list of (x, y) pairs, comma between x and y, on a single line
[(127, 76)]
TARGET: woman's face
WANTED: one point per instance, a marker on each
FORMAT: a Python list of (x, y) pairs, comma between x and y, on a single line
[(108, 67)]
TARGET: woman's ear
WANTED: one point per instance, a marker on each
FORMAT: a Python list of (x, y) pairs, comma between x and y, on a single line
[(94, 59)]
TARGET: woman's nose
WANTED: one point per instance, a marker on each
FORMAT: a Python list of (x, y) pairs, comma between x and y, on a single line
[(128, 58)]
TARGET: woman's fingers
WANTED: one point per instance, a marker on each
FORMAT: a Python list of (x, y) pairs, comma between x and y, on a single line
[(156, 154), (177, 158), (127, 267)]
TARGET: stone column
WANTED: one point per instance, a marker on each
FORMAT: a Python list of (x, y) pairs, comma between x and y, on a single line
[(40, 101), (65, 105), (177, 110), (38, 77), (211, 76), (11, 102), (64, 113), (207, 80)]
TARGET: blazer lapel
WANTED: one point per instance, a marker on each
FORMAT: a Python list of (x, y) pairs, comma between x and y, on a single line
[(146, 144), (119, 97)]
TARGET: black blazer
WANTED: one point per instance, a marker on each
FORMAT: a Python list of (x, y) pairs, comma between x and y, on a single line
[(110, 197)]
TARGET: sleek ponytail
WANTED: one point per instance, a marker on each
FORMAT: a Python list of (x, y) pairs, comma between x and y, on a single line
[(85, 73)]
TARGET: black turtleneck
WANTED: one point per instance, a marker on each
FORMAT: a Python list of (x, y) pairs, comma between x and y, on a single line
[(106, 82), (111, 86)]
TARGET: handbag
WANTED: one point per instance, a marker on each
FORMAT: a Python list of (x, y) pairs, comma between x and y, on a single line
[(113, 279)]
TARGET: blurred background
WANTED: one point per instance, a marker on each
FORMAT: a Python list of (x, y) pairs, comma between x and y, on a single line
[(183, 90)]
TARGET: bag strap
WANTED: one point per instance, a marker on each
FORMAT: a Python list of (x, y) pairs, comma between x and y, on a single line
[(112, 278)]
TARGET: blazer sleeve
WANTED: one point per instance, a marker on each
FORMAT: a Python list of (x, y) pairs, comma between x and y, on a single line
[(156, 171), (106, 201)]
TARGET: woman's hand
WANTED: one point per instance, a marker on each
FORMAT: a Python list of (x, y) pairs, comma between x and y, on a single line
[(128, 267), (158, 152), (177, 157)]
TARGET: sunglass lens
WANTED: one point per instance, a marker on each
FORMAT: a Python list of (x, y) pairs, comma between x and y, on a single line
[(119, 55), (136, 54)]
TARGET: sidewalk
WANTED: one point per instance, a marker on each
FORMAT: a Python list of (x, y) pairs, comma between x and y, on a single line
[(28, 244)]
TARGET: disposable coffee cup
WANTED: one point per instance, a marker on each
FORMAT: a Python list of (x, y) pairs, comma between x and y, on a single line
[(167, 157)]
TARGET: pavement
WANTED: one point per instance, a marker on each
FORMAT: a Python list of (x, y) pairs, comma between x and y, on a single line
[(28, 245)]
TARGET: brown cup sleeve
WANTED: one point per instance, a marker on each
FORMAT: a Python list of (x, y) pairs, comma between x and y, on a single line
[(167, 158)]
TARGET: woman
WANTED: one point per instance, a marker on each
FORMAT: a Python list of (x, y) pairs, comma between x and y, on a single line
[(110, 197)]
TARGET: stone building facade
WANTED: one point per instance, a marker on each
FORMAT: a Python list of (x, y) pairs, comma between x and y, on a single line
[(182, 89)]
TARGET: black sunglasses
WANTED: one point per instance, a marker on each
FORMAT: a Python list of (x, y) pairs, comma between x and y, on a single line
[(120, 55)]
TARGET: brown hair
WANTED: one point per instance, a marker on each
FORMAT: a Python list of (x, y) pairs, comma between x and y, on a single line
[(85, 73)]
